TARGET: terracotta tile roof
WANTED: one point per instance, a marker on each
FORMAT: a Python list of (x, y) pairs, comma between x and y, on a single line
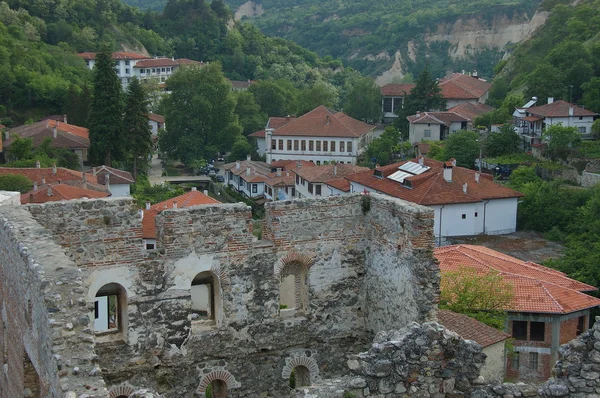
[(559, 108), (324, 122), (471, 329), (461, 86), (36, 175), (187, 61), (259, 171), (445, 118), (430, 187), (536, 288), (68, 135), (276, 122), (156, 118), (471, 111), (189, 199), (152, 63), (341, 184), (532, 118), (116, 176), (258, 134), (115, 55), (290, 164), (396, 90), (60, 192), (287, 178), (327, 172)]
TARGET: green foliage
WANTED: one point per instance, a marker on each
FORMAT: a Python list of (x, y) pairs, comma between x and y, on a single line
[(462, 146), (22, 154), (275, 98), (200, 113), (482, 296), (209, 391), (363, 100), (501, 115), (521, 176), (137, 135), (381, 150), (249, 113), (591, 95), (143, 192), (561, 140), (17, 182), (240, 149), (319, 94), (504, 142), (106, 112)]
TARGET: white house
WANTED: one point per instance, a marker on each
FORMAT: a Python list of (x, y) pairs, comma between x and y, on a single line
[(118, 182), (319, 136), (247, 177), (124, 63), (272, 124), (313, 182), (464, 202), (531, 120), (156, 123), (434, 126)]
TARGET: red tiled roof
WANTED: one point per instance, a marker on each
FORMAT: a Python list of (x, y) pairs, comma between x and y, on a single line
[(327, 172), (156, 118), (324, 122), (341, 184), (287, 178), (276, 122), (187, 61), (291, 164), (430, 187), (445, 118), (152, 63), (536, 288), (471, 329), (532, 118), (68, 135), (259, 171), (116, 176), (471, 111), (115, 55), (36, 175), (559, 108), (396, 90), (59, 192), (461, 86), (258, 134), (189, 199)]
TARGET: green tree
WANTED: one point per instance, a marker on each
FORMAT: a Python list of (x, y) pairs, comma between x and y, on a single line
[(106, 112), (484, 297), (363, 100), (249, 113), (596, 129), (77, 105), (521, 176), (591, 94), (319, 94), (275, 98), (200, 114), (15, 182), (462, 146), (20, 149), (381, 150), (561, 140), (240, 149), (546, 81), (503, 142), (136, 129)]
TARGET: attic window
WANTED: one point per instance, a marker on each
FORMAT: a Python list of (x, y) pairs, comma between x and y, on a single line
[(377, 173)]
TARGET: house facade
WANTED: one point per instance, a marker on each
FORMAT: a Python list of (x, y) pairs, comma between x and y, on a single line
[(393, 96), (434, 126), (118, 182), (313, 182), (464, 201), (124, 63), (319, 136), (547, 309), (156, 122), (248, 177)]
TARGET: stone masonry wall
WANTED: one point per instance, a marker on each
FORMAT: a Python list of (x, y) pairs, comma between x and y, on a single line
[(346, 249), (45, 336)]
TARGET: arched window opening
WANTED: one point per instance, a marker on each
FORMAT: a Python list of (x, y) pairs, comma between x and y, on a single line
[(293, 291), (300, 377), (110, 309), (216, 389), (206, 298)]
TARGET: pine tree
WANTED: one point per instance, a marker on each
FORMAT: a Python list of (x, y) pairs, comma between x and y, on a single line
[(106, 112), (136, 130)]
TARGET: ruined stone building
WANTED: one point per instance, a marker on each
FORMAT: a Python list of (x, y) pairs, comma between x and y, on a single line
[(87, 309)]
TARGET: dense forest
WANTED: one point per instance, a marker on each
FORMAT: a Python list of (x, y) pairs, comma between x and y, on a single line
[(356, 30), (42, 74)]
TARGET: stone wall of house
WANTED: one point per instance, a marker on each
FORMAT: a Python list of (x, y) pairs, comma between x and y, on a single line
[(361, 266), (46, 344)]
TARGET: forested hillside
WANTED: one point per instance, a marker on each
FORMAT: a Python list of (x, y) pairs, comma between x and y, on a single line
[(367, 35), (39, 40)]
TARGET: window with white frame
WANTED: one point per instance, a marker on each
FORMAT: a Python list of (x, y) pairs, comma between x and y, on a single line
[(427, 133)]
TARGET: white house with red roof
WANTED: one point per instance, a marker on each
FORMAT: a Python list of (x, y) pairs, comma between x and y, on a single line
[(156, 122), (272, 124), (124, 63), (548, 308), (319, 136), (314, 182), (464, 201), (118, 182), (248, 177)]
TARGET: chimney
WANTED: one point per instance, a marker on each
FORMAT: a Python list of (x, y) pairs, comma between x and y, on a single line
[(237, 164), (453, 162), (175, 204), (335, 169), (248, 158), (418, 113), (248, 171), (54, 169), (287, 173), (194, 189), (107, 181), (550, 100), (477, 175), (206, 192), (278, 172), (571, 111), (465, 187), (6, 135), (37, 164), (65, 119), (35, 187), (49, 190), (55, 131), (43, 180), (298, 164), (421, 161), (148, 205), (84, 177), (475, 74), (94, 170), (448, 171)]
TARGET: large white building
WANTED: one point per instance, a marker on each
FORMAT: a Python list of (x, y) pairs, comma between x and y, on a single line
[(319, 136), (464, 201)]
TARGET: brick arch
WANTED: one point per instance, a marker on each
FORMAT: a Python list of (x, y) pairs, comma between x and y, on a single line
[(120, 391), (222, 275), (303, 360), (292, 260), (222, 375)]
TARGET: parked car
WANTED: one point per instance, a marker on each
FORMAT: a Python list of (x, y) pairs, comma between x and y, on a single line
[(220, 178), (220, 158), (212, 173)]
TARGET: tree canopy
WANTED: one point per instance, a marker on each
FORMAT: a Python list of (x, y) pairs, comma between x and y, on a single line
[(136, 129), (363, 100), (462, 146)]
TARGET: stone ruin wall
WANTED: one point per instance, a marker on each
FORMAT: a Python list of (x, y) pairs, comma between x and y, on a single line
[(352, 247)]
